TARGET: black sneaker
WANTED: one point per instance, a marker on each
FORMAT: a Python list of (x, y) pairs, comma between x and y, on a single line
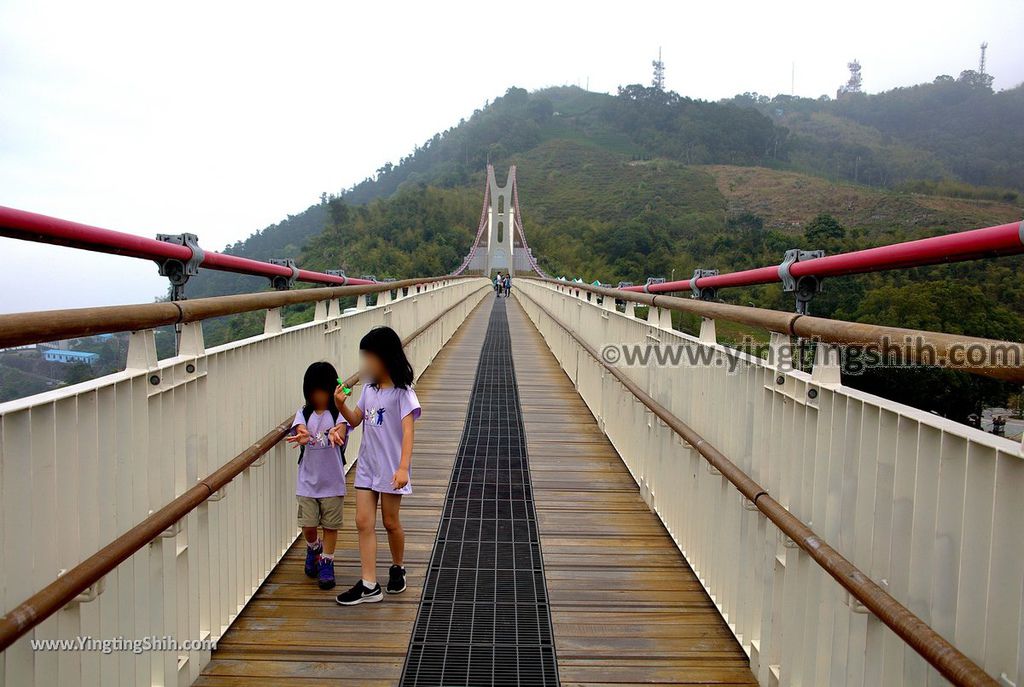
[(360, 594), (396, 579)]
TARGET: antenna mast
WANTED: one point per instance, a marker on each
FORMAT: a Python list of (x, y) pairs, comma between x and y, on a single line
[(659, 72), (981, 62), (855, 82)]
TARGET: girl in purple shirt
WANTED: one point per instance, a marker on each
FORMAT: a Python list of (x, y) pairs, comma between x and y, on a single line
[(386, 409), (319, 430)]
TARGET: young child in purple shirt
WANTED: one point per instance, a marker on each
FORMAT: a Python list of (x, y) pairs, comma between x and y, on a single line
[(387, 408), (319, 431)]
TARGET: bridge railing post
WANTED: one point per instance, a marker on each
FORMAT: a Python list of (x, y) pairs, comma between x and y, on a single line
[(664, 318), (333, 308), (272, 323), (827, 368), (191, 342), (141, 350), (320, 311), (707, 331)]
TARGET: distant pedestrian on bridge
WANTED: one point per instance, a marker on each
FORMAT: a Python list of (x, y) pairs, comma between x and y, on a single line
[(320, 432), (497, 285), (387, 409), (507, 284)]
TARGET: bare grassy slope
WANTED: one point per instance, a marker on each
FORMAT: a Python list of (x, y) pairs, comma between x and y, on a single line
[(787, 200)]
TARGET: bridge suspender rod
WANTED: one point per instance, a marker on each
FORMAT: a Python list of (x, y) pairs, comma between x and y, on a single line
[(53, 597), (479, 231), (990, 242), (989, 357), (30, 226), (17, 329), (933, 647)]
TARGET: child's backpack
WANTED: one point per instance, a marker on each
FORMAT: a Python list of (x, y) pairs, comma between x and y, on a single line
[(307, 413)]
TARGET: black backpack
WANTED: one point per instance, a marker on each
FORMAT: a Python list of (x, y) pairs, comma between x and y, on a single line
[(307, 413)]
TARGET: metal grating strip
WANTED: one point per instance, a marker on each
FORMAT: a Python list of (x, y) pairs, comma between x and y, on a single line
[(484, 617)]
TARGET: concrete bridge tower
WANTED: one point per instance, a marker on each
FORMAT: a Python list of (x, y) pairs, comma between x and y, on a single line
[(500, 243), (500, 224)]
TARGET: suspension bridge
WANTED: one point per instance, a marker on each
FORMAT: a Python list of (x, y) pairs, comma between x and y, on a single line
[(736, 519)]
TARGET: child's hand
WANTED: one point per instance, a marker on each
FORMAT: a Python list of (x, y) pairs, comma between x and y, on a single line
[(301, 436), (340, 396), (400, 478), (337, 435)]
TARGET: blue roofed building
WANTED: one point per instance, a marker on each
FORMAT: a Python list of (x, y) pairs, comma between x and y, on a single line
[(60, 355)]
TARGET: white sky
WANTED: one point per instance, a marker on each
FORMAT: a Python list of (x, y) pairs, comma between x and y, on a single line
[(220, 118)]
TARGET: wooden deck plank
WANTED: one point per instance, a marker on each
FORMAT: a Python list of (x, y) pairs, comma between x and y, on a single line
[(626, 607)]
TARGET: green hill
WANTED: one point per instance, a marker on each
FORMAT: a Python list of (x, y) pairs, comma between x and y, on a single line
[(652, 183), (282, 240), (648, 183), (942, 139), (786, 199)]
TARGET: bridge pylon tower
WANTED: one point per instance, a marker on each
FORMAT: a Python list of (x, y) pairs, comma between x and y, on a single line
[(500, 243), (500, 223)]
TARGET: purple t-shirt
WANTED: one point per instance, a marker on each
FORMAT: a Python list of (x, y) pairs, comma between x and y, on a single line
[(380, 451), (321, 472)]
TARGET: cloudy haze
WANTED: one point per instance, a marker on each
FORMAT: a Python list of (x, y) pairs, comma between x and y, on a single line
[(221, 118)]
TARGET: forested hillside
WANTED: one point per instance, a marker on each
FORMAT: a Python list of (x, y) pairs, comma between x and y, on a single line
[(649, 183), (946, 131), (949, 138), (282, 240)]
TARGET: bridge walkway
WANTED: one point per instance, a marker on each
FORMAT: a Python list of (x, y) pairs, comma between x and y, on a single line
[(293, 633), (626, 608)]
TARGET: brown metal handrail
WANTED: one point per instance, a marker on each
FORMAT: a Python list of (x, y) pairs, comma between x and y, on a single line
[(999, 359), (17, 329), (59, 593), (940, 653)]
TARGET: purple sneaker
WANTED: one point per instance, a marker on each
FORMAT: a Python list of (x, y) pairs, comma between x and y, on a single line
[(326, 577), (313, 560)]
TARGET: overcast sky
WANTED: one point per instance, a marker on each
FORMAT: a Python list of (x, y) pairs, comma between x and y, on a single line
[(220, 118)]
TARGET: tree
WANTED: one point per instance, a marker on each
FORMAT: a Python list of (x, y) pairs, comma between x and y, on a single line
[(541, 109), (974, 79), (78, 372), (515, 96), (110, 353), (823, 228)]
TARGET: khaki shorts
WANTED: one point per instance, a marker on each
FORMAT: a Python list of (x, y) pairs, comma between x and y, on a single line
[(325, 512)]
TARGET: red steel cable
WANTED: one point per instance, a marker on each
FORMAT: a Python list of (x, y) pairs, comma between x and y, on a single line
[(30, 226), (990, 242)]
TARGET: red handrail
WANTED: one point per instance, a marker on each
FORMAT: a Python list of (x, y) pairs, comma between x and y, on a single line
[(30, 226), (990, 242)]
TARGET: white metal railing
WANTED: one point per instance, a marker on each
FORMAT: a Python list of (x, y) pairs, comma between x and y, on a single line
[(81, 465), (930, 509)]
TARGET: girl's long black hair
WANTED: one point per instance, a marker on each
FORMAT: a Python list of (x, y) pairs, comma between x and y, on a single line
[(324, 377), (384, 343)]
